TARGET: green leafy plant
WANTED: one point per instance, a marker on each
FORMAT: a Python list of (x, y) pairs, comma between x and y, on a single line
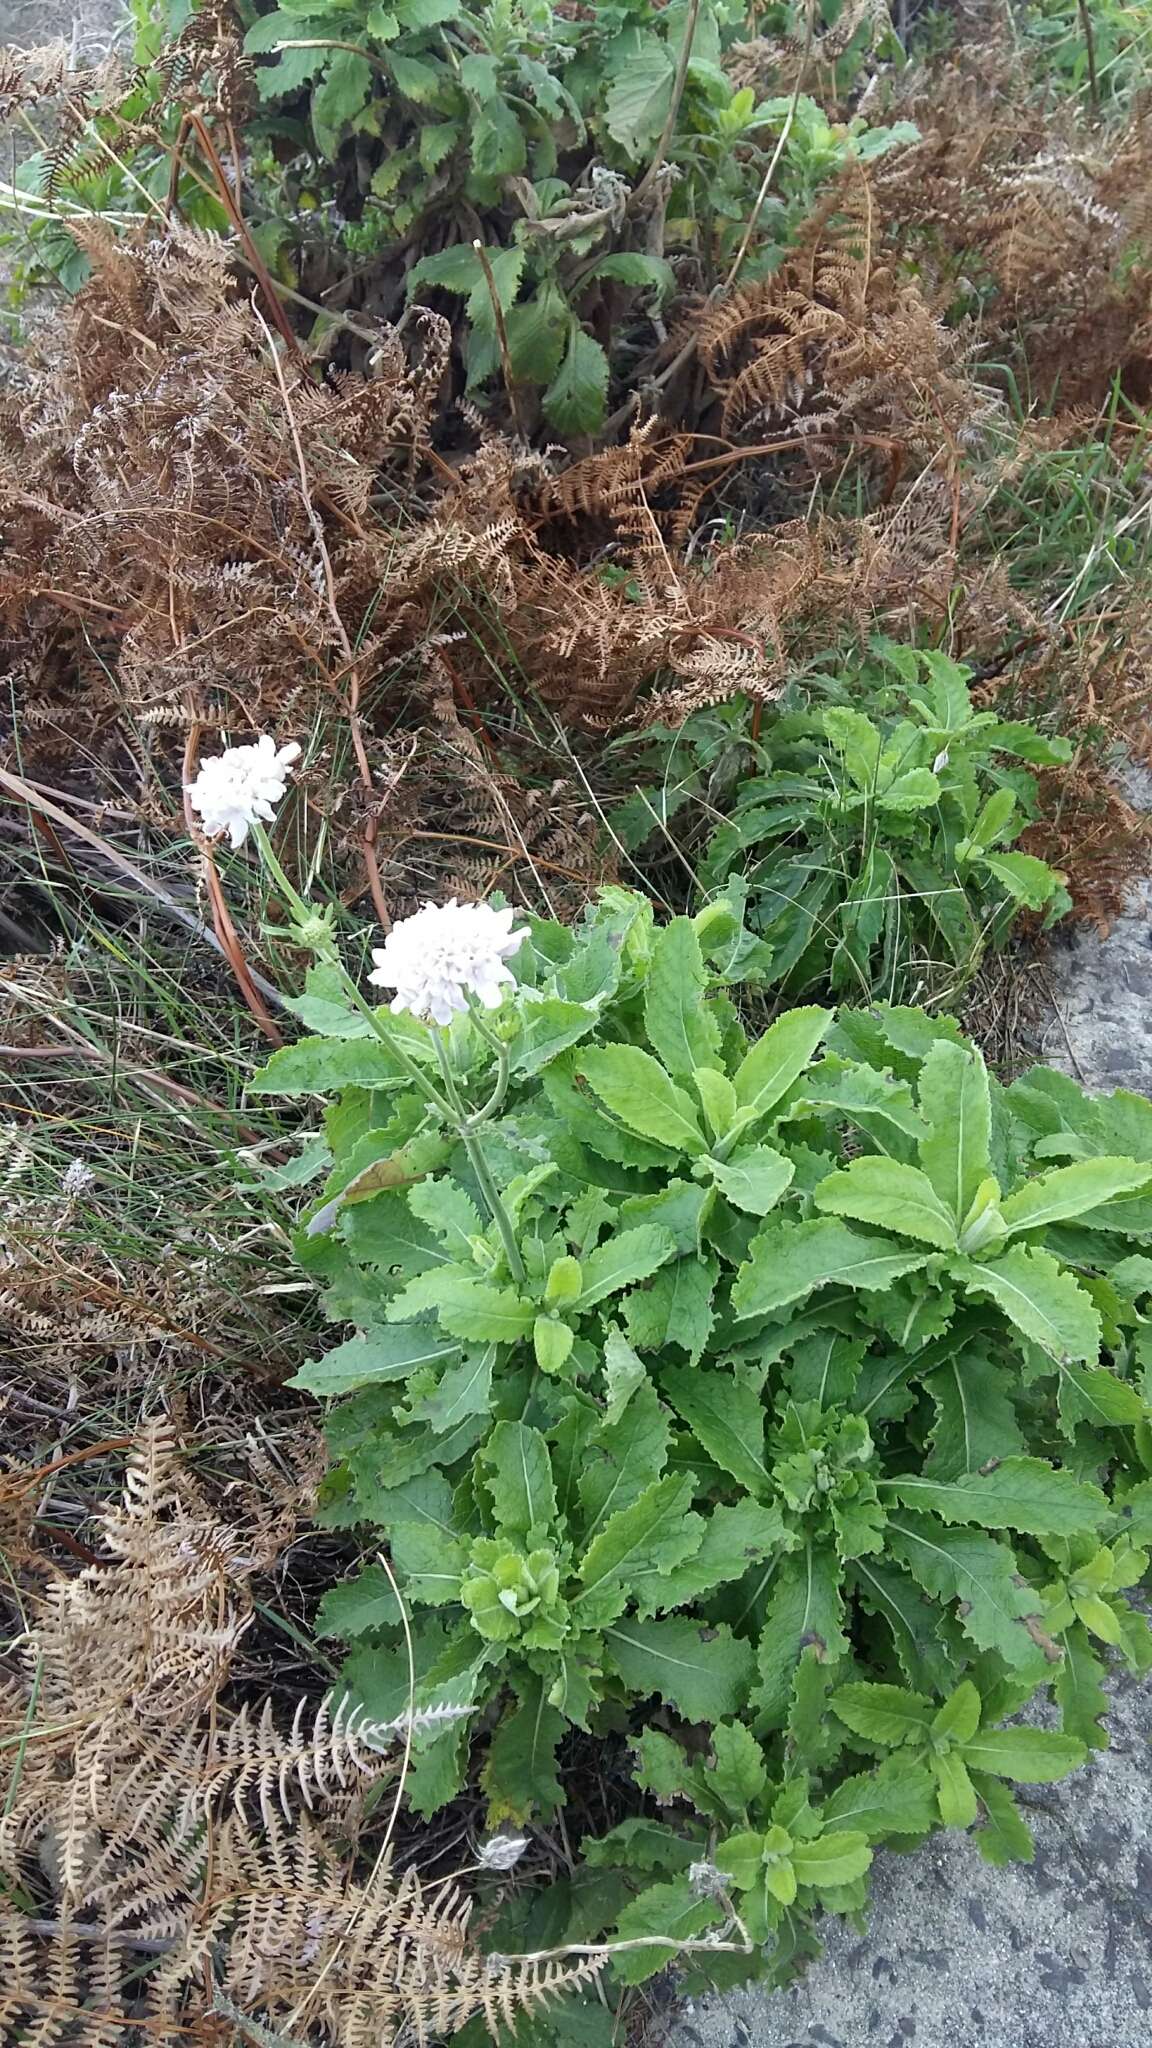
[(876, 840), (791, 1390), (580, 155)]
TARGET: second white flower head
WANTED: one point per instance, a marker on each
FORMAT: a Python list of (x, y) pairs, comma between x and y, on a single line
[(444, 954), (241, 785)]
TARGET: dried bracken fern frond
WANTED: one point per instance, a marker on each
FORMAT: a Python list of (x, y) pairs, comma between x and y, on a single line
[(169, 1826), (1043, 212)]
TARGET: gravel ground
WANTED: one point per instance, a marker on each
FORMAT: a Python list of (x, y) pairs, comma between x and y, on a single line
[(1055, 1954)]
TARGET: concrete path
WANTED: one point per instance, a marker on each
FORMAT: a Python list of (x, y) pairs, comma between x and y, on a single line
[(1056, 1954)]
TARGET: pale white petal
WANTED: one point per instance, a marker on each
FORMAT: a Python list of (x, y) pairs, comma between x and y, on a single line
[(443, 954), (242, 784)]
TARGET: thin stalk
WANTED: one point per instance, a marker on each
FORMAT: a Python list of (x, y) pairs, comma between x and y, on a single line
[(480, 1167), (1090, 53), (408, 1066)]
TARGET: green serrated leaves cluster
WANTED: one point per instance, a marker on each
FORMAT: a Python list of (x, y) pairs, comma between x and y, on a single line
[(811, 1417)]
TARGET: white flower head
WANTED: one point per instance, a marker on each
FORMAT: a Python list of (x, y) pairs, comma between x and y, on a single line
[(77, 1177), (235, 788), (444, 954), (501, 1852)]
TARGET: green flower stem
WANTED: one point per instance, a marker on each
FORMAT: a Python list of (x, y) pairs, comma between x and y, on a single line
[(449, 1105), (466, 1126), (272, 862), (495, 1101), (306, 917)]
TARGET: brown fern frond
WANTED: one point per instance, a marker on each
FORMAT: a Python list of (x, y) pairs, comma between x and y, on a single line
[(153, 1822)]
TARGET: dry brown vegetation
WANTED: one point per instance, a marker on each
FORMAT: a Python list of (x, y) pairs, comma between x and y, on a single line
[(187, 1863), (203, 530)]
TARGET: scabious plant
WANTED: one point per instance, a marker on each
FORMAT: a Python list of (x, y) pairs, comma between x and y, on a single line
[(774, 1409), (240, 788)]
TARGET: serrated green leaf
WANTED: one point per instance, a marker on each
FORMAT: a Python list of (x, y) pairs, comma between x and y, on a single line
[(888, 1714), (384, 1234), (680, 1029), (498, 146), (884, 1191), (634, 1548), (955, 1104), (787, 1261), (451, 1215), (898, 1798), (455, 269), (359, 1605), (519, 1776), (735, 1538), (624, 1371), (537, 330), (574, 400), (636, 1089), (464, 1389), (1029, 1756), (468, 1308), (831, 1859), (725, 1412), (437, 1770), (623, 1457), (979, 1574), (641, 1844), (548, 1026), (437, 141), (680, 1208), (959, 1717), (1094, 1395), (753, 1179), (805, 1606), (736, 1772), (825, 1368), (505, 268), (639, 96), (1040, 1297), (322, 1066), (552, 1344), (423, 13), (1018, 1493), (975, 1418), (887, 1591), (1079, 1690), (663, 1767), (634, 267), (703, 1671), (1070, 1191), (718, 1098), (778, 1059), (673, 1912), (1004, 1837), (430, 1567), (675, 1308), (875, 1102), (518, 1474), (375, 1357), (621, 1260), (1028, 880), (954, 1790), (338, 98), (580, 1117)]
